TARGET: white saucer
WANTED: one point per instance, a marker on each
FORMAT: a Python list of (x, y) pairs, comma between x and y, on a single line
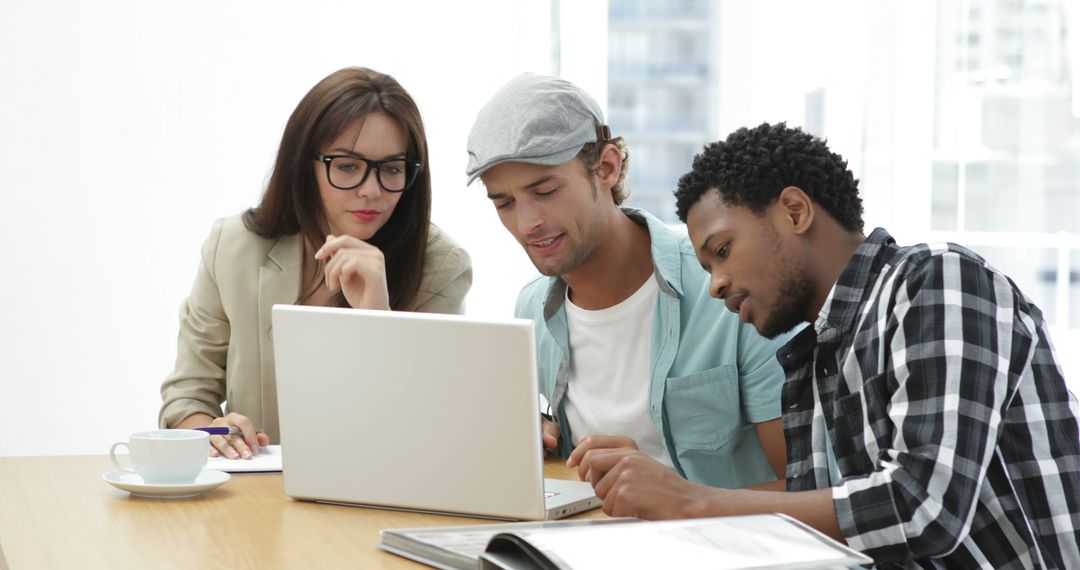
[(132, 483)]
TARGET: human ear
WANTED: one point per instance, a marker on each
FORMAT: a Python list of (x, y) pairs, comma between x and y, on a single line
[(796, 208), (610, 167)]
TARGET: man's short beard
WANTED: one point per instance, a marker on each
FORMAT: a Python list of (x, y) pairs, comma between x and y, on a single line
[(794, 295), (584, 250), (577, 257), (791, 305)]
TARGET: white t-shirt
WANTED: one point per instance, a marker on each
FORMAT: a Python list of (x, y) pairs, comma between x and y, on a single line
[(610, 368)]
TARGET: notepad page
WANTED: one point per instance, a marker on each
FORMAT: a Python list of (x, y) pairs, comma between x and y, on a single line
[(268, 460)]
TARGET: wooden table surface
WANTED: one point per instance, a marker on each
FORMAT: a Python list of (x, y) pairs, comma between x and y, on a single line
[(57, 512)]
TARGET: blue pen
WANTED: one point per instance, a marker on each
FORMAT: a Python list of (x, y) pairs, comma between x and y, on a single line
[(231, 430)]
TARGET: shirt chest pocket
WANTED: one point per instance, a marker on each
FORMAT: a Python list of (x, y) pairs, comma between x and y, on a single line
[(850, 419), (702, 410)]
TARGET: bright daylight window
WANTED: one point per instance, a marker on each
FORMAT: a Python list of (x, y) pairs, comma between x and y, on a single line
[(961, 118)]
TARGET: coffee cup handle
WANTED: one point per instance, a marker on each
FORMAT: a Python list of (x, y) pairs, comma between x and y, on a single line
[(112, 456)]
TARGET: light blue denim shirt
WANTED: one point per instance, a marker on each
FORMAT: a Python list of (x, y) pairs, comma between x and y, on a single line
[(712, 377)]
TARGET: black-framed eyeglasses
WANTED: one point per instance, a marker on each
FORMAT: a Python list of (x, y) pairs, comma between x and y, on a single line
[(345, 171)]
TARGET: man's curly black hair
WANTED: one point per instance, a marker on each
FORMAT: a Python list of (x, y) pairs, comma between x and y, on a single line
[(752, 166)]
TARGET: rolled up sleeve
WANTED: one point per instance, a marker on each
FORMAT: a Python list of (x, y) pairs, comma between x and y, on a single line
[(957, 352), (197, 383)]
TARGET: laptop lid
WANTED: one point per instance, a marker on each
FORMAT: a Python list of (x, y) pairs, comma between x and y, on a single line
[(410, 410)]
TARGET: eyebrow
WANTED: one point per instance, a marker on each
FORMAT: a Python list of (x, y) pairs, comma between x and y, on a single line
[(350, 152), (531, 186), (540, 182), (704, 249)]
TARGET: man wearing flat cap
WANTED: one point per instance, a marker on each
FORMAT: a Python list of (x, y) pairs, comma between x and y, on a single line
[(631, 351)]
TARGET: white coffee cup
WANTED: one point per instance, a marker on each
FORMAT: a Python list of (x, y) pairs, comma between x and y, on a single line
[(165, 456)]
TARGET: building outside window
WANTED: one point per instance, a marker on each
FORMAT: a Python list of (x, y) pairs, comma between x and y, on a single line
[(961, 118), (661, 85), (1006, 170)]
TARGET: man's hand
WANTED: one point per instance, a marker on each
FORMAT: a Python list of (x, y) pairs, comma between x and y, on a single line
[(632, 484), (549, 434), (588, 446)]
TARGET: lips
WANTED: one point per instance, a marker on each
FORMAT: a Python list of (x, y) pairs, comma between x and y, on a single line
[(737, 304), (545, 243), (365, 215), (734, 302)]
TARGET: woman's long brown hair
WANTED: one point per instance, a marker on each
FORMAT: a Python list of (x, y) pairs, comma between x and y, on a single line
[(291, 203)]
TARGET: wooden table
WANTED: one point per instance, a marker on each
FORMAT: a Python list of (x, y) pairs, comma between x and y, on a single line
[(57, 512)]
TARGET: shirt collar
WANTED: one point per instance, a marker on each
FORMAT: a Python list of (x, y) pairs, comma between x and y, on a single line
[(856, 281), (822, 321), (666, 251)]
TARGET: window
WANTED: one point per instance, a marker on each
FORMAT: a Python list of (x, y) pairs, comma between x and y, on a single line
[(660, 88), (973, 137)]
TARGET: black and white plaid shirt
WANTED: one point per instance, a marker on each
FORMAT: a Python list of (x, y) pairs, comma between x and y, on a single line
[(955, 437)]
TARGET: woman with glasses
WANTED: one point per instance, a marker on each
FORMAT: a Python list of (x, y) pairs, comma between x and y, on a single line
[(344, 222)]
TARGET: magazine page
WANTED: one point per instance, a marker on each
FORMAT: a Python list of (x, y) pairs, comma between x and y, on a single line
[(461, 546), (760, 541)]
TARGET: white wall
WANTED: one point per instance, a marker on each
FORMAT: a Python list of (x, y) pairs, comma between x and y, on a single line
[(127, 127)]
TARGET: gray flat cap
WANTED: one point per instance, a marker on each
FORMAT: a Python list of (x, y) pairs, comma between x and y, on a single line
[(535, 119)]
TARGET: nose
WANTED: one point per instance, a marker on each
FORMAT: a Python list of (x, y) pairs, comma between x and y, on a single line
[(718, 284), (369, 188), (529, 217)]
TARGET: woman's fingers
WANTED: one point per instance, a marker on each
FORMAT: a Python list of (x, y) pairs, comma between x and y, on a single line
[(334, 244), (240, 447), (332, 273), (221, 444), (360, 273), (244, 445), (247, 442)]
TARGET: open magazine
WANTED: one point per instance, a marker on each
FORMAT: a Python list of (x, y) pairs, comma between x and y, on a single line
[(758, 541)]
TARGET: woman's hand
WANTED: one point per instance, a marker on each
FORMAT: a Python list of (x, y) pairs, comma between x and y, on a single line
[(245, 445), (356, 268), (240, 446)]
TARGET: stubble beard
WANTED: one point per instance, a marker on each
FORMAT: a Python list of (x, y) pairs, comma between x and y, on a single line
[(793, 298), (576, 252)]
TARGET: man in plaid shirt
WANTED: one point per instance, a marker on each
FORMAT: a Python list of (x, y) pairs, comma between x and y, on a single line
[(927, 421)]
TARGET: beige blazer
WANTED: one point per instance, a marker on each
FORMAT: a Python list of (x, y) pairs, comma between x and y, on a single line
[(225, 350)]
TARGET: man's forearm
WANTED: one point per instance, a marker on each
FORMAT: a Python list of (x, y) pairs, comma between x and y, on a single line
[(814, 508), (778, 485)]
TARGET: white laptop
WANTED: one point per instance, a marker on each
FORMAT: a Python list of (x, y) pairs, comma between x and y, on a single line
[(414, 411)]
